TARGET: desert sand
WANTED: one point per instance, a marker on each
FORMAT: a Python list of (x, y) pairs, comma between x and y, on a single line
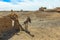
[(44, 26)]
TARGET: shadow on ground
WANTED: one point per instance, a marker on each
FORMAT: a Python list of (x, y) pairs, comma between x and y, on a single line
[(7, 35)]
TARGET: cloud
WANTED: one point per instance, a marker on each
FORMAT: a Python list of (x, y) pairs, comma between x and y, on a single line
[(28, 4), (20, 5)]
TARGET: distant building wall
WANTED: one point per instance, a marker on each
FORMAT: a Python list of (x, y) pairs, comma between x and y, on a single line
[(50, 10), (57, 9), (42, 8)]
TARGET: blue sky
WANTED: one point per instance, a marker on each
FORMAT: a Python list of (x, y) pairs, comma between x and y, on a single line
[(6, 0), (28, 4)]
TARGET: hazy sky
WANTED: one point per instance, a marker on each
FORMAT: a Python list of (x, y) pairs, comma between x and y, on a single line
[(28, 4)]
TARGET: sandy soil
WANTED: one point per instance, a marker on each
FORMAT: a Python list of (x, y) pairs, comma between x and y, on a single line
[(44, 26)]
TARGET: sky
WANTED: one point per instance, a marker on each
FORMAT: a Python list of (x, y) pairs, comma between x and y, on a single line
[(28, 4)]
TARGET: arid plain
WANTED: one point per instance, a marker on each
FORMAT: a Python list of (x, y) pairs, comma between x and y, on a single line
[(44, 26)]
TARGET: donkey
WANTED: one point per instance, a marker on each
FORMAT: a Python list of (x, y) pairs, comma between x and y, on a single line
[(18, 26), (6, 23)]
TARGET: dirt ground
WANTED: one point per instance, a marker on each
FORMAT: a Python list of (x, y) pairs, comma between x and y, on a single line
[(44, 26)]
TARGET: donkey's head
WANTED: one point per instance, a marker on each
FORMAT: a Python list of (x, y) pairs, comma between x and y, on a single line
[(13, 16)]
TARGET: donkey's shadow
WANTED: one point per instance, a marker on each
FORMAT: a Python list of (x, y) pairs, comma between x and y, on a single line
[(7, 35)]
